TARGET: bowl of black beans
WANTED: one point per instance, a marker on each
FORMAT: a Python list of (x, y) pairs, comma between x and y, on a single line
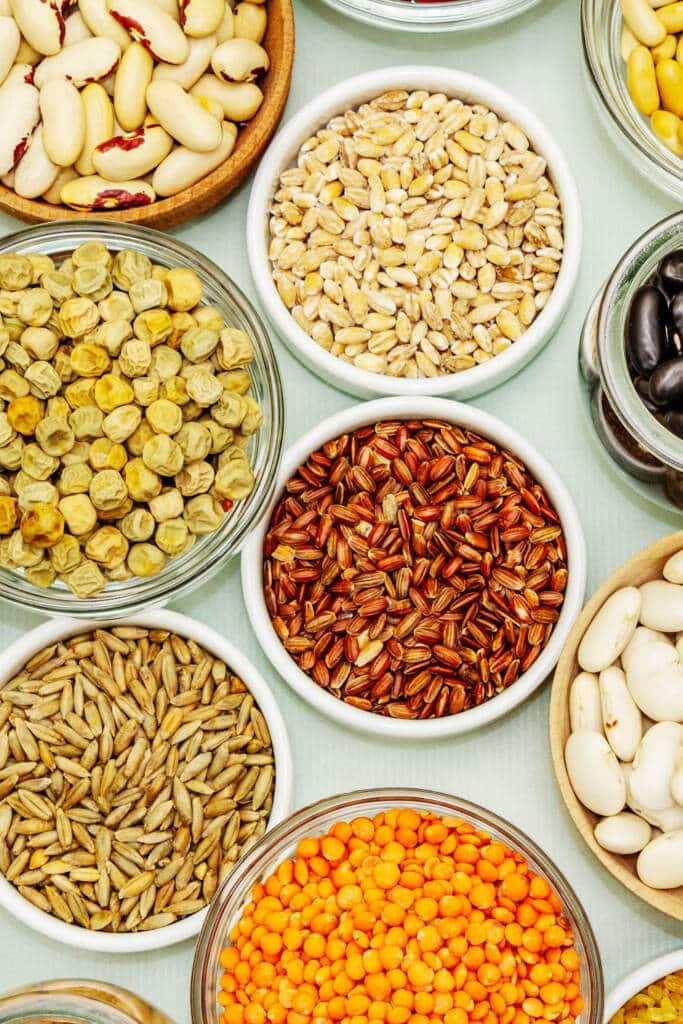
[(631, 362)]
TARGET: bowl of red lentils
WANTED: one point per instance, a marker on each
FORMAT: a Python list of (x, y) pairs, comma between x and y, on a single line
[(418, 571), (399, 907)]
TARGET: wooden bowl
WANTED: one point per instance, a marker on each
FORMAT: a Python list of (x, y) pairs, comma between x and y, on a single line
[(251, 143), (644, 566)]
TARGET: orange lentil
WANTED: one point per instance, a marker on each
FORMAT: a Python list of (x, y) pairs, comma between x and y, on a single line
[(404, 918)]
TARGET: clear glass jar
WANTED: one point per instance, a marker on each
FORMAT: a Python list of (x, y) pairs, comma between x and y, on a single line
[(213, 550), (280, 844), (647, 455), (601, 25), (77, 1002), (431, 15)]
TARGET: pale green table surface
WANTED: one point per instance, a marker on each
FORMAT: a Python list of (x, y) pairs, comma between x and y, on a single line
[(507, 766)]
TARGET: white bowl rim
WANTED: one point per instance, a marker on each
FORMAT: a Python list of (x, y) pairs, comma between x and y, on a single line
[(640, 978), (467, 416), (19, 652), (351, 92)]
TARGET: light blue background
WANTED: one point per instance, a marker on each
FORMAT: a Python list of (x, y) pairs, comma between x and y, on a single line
[(507, 766)]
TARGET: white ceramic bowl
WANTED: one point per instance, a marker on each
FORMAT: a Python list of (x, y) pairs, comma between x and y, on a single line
[(18, 653), (639, 979), (465, 416), (281, 155)]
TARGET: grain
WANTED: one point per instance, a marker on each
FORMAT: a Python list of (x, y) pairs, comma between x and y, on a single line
[(109, 820), (413, 569)]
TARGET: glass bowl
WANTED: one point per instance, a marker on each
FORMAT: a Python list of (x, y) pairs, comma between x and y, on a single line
[(280, 844), (647, 455), (601, 25), (431, 15), (211, 551), (77, 1002)]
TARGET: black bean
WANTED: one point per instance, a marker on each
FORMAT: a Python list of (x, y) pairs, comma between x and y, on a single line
[(666, 383), (642, 386), (676, 315), (647, 341), (671, 271), (674, 421)]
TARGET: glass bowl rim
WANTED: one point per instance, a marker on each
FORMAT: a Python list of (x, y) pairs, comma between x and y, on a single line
[(356, 802), (213, 551), (443, 16)]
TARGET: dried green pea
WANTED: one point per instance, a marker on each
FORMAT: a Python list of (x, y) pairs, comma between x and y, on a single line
[(163, 455), (117, 306), (40, 342), (21, 553), (86, 422), (93, 281), (75, 479), (35, 307), (37, 463), (44, 380), (58, 286), (167, 505), (166, 363), (40, 264), (16, 271), (91, 252), (122, 422), (107, 490), (230, 410), (129, 267), (55, 436), (195, 478), (203, 514), (7, 432), (78, 316), (66, 554), (146, 390), (148, 294), (135, 358), (85, 580), (235, 380), (38, 492), (204, 388), (138, 525), (41, 575), (153, 326), (12, 385), (194, 440), (171, 536), (143, 483), (17, 357), (112, 335), (198, 343), (235, 349), (145, 560)]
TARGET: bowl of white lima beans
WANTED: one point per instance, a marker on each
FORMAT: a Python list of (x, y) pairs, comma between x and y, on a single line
[(142, 111)]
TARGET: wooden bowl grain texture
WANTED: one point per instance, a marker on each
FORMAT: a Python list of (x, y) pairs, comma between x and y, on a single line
[(645, 565), (251, 143)]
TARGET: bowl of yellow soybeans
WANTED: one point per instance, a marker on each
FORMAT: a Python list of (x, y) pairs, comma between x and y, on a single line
[(633, 57)]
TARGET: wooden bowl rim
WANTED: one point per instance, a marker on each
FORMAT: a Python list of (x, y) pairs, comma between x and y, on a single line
[(558, 722), (209, 191)]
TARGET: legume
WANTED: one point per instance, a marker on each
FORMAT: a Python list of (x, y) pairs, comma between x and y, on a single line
[(403, 917), (120, 394), (135, 768), (414, 569), (416, 236), (654, 342), (661, 1002), (651, 46)]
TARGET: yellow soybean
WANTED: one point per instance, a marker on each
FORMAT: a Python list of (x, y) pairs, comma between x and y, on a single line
[(644, 23), (665, 50), (628, 43), (669, 129), (671, 16), (669, 74), (679, 50), (642, 80)]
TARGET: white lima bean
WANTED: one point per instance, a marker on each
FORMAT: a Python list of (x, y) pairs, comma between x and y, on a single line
[(99, 124), (124, 157), (133, 75), (249, 21), (595, 773), (240, 100), (10, 39), (183, 167), (183, 116), (660, 865), (621, 719), (191, 70), (585, 711), (96, 193), (654, 765), (96, 17), (53, 195), (239, 60), (226, 29), (677, 779), (19, 115), (673, 570), (662, 606), (623, 833), (63, 116), (150, 25), (655, 679), (75, 29), (641, 636), (41, 24), (610, 630), (201, 17), (88, 61), (667, 819), (35, 172)]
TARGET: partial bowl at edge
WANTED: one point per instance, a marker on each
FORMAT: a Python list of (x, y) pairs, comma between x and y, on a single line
[(640, 978), (349, 94), (22, 650)]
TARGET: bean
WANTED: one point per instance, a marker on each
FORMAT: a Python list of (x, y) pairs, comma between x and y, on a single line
[(89, 61), (671, 16), (646, 332), (183, 167), (124, 156), (75, 29), (41, 24), (63, 122), (191, 70), (53, 194), (201, 17), (643, 22), (668, 128), (674, 421), (19, 115), (10, 38), (101, 23), (153, 27), (130, 87), (35, 172), (240, 100), (99, 124), (183, 116), (671, 271), (95, 193), (670, 81), (250, 21), (240, 60), (666, 383), (642, 80)]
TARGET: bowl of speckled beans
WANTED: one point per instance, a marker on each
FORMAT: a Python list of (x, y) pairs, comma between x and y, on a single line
[(414, 231)]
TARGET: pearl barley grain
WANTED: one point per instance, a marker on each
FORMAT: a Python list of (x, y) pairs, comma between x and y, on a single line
[(416, 236)]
